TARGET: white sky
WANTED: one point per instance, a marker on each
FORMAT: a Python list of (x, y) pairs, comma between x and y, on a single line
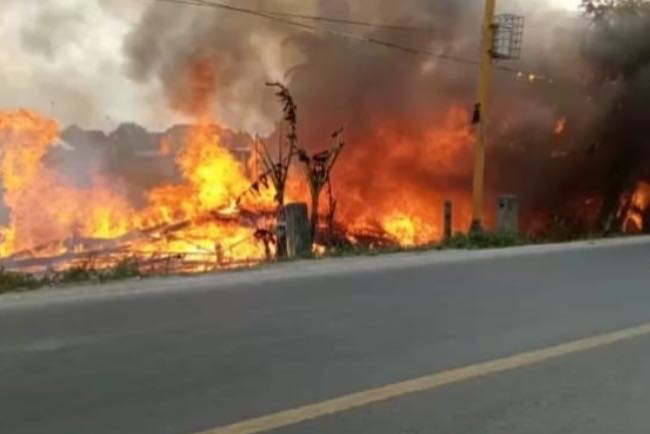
[(64, 58), (571, 5)]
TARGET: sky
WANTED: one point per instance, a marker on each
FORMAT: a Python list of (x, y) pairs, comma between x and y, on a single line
[(566, 4), (65, 58)]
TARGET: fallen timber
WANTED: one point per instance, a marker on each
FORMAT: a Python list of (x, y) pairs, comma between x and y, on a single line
[(97, 253)]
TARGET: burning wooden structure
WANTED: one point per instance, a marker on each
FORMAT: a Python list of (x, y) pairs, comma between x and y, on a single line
[(219, 216)]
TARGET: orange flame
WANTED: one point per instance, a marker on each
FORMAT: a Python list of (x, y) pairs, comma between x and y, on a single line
[(199, 218), (44, 208), (409, 209), (560, 126), (639, 203)]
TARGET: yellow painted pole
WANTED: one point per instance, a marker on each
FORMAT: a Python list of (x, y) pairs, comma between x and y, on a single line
[(485, 83)]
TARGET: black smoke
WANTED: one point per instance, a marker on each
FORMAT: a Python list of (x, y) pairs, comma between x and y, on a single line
[(597, 83)]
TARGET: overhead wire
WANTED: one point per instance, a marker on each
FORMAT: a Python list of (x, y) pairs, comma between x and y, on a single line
[(334, 20), (350, 22), (285, 18)]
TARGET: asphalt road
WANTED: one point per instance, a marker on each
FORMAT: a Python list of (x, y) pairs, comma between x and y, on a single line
[(214, 352)]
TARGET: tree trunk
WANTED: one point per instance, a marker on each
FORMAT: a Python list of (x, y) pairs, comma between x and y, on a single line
[(314, 213)]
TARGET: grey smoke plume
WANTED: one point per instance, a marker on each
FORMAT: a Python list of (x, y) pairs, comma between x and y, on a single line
[(370, 89), (101, 62), (619, 50), (246, 52), (64, 58)]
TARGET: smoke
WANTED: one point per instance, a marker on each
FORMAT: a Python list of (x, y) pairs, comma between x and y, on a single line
[(619, 51), (406, 117), (246, 51), (65, 59)]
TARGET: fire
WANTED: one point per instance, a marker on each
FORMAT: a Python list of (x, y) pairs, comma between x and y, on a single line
[(409, 181), (204, 209), (207, 201), (26, 137), (639, 203), (212, 218), (197, 219), (212, 171), (560, 126), (409, 231), (44, 207), (166, 146), (214, 180), (51, 216)]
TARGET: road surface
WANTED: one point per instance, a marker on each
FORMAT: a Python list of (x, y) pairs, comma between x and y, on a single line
[(556, 341)]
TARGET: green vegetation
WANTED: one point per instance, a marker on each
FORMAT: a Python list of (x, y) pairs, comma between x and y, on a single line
[(78, 273), (130, 268), (357, 250), (485, 240), (125, 269), (16, 282), (83, 273)]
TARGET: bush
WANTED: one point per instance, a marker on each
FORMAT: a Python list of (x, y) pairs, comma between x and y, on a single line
[(125, 269), (485, 240), (10, 281), (78, 273)]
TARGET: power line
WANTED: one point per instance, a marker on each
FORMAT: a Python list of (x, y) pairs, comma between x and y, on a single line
[(376, 25), (273, 17), (282, 17), (336, 20)]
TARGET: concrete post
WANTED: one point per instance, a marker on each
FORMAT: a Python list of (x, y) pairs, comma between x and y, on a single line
[(448, 220), (298, 230), (508, 214)]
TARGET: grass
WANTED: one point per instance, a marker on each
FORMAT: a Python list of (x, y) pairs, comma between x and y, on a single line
[(125, 269), (129, 268), (22, 282), (486, 240), (343, 251), (76, 274), (17, 282), (482, 240)]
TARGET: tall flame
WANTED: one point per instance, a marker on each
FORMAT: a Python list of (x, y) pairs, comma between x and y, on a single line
[(201, 216), (44, 207), (639, 203), (397, 184)]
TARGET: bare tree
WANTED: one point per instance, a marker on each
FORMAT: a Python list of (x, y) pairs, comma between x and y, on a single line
[(332, 202), (317, 170), (277, 170)]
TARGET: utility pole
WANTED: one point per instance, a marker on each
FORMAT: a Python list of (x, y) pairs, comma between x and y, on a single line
[(485, 84)]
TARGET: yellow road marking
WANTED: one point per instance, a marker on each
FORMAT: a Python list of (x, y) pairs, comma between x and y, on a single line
[(428, 382)]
